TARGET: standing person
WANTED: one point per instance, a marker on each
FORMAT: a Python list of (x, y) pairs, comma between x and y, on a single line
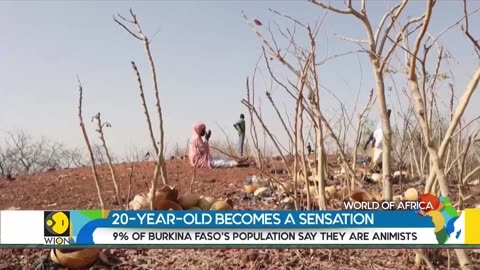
[(309, 149), (377, 147), (240, 127)]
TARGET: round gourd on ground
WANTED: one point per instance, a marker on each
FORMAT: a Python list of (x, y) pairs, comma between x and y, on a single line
[(139, 202), (342, 193), (398, 173), (397, 198), (77, 259), (188, 201), (221, 205), (377, 197), (206, 202), (314, 178), (260, 191), (376, 177), (250, 188), (164, 205), (288, 187), (165, 193), (360, 196), (312, 190), (332, 190), (411, 194)]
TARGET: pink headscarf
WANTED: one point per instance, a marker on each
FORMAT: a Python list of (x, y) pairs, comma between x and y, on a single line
[(199, 151)]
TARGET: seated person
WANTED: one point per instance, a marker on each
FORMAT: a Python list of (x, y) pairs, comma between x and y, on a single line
[(199, 151)]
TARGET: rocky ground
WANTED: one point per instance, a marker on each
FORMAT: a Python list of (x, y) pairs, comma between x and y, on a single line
[(75, 189)]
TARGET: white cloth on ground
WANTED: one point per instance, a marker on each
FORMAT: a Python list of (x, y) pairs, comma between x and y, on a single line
[(220, 162)]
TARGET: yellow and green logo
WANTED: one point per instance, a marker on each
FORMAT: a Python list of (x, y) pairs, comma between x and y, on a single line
[(57, 223)]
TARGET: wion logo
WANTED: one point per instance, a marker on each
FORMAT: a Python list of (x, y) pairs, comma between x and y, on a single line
[(57, 227)]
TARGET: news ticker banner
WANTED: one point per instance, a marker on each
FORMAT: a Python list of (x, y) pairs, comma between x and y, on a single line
[(262, 229)]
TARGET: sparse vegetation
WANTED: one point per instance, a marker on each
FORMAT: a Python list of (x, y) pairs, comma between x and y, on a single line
[(428, 144), (22, 153)]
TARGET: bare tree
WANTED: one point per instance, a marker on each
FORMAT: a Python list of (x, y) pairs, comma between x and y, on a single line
[(87, 142), (160, 169), (7, 166), (73, 158), (25, 151), (379, 57), (436, 154), (98, 154), (362, 117), (100, 126)]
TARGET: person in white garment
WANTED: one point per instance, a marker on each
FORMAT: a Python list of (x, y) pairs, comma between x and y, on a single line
[(199, 151), (376, 138)]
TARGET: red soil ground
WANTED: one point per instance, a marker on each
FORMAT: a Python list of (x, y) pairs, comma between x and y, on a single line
[(75, 189)]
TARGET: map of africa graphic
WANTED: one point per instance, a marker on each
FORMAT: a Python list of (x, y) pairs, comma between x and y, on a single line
[(447, 220)]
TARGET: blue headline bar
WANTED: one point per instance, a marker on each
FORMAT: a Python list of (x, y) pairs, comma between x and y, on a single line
[(265, 219)]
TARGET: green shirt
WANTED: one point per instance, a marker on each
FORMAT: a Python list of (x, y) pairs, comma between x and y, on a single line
[(240, 126)]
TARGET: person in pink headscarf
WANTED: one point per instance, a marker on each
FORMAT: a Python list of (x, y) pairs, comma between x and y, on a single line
[(199, 151)]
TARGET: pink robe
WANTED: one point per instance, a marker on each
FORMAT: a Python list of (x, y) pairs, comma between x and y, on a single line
[(199, 151)]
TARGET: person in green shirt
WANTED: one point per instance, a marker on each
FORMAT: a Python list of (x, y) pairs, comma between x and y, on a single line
[(240, 127)]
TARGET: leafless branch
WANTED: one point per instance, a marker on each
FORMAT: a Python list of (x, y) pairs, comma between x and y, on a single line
[(87, 142), (323, 61), (160, 168), (334, 9), (288, 17), (145, 108), (126, 28), (109, 159), (357, 41), (395, 13), (466, 30)]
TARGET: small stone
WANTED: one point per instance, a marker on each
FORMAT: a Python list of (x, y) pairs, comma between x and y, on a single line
[(474, 182), (211, 180)]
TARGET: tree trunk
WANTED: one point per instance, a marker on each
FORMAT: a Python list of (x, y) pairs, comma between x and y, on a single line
[(322, 204), (387, 133), (435, 160)]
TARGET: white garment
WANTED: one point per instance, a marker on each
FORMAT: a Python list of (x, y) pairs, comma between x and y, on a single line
[(378, 135), (220, 162), (377, 155), (378, 147)]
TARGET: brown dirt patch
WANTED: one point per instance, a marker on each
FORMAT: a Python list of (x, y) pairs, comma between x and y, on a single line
[(75, 189)]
